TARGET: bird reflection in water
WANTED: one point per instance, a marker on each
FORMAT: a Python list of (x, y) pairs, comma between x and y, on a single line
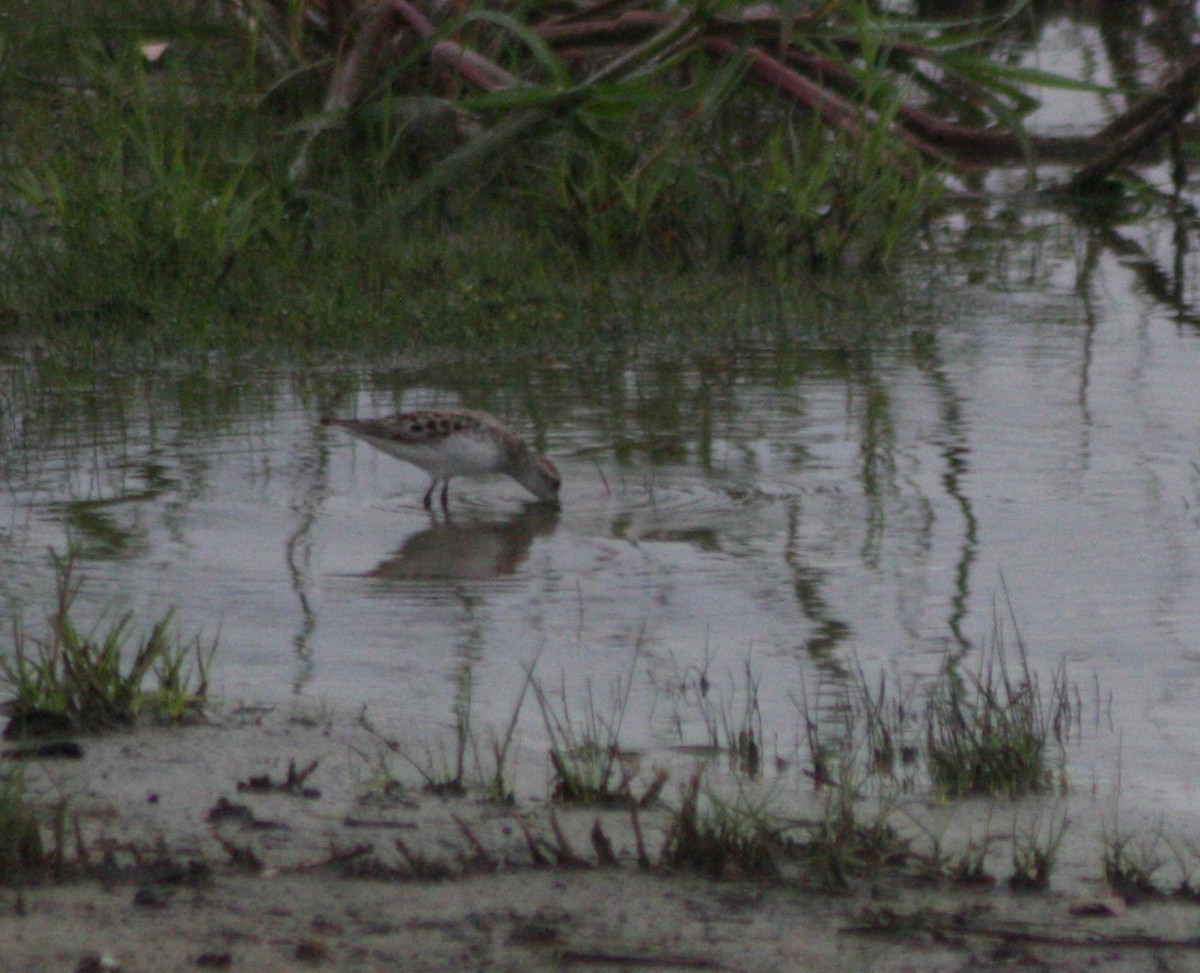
[(469, 551)]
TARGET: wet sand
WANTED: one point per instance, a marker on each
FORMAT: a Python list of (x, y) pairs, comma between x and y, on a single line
[(278, 880)]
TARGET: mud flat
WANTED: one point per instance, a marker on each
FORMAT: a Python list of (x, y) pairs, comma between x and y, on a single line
[(211, 848)]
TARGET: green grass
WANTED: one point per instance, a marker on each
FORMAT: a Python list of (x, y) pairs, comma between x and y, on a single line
[(845, 843), (152, 203), (992, 731), (729, 712), (587, 763), (718, 837), (1035, 852), (69, 680), (21, 846), (1130, 860)]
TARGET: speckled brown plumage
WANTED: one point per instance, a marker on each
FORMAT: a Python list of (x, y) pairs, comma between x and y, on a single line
[(457, 442)]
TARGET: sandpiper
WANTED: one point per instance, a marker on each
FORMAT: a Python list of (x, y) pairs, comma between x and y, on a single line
[(457, 442)]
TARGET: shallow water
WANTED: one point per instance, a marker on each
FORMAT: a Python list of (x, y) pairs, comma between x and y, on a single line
[(777, 510)]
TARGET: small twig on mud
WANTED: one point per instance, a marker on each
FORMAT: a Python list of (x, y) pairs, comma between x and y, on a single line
[(295, 779), (335, 857), (293, 783), (241, 856), (422, 867), (889, 922), (643, 858), (655, 788), (602, 846), (564, 854), (627, 960), (535, 853), (481, 859)]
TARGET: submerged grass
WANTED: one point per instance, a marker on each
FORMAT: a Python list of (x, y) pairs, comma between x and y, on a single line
[(68, 680), (992, 731), (444, 770), (587, 762)]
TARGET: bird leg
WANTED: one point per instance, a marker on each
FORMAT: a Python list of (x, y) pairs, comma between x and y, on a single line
[(445, 491), (429, 494)]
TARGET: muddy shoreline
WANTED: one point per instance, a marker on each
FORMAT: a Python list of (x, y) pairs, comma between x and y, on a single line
[(184, 871)]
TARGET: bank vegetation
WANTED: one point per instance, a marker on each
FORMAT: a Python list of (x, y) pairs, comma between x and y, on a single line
[(319, 169)]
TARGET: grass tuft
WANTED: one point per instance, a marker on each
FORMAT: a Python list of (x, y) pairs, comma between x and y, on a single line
[(1130, 862), (1035, 853), (988, 732), (991, 732), (842, 844), (732, 718), (723, 837), (444, 769), (588, 764), (67, 680)]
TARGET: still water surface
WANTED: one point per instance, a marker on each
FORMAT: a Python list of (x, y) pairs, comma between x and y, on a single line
[(793, 504)]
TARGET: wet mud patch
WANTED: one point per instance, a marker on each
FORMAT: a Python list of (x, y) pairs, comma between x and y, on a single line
[(161, 882)]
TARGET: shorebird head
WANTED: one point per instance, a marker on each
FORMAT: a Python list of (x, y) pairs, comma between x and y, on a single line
[(538, 475)]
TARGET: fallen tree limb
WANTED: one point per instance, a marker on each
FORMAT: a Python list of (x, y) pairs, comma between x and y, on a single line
[(393, 29), (836, 111)]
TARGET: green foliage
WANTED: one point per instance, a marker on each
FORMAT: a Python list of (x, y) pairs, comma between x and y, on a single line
[(155, 187), (1035, 852), (1131, 860), (72, 680), (844, 843), (722, 837), (20, 835), (151, 198), (268, 178), (988, 732)]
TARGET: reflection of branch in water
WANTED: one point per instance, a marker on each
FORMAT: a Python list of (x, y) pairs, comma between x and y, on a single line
[(313, 481), (1087, 267), (956, 470), (476, 551), (830, 632), (955, 453), (1165, 288), (878, 469)]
